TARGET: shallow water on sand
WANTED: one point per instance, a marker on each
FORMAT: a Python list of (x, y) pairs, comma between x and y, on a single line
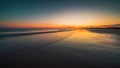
[(96, 48), (13, 44)]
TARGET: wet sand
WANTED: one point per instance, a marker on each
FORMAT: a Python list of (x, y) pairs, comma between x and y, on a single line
[(73, 49)]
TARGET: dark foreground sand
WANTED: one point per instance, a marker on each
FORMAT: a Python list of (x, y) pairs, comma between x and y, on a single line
[(72, 49)]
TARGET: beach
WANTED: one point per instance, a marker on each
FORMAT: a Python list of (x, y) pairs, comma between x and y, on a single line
[(82, 48)]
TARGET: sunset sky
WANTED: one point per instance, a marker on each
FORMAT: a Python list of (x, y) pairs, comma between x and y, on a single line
[(58, 13)]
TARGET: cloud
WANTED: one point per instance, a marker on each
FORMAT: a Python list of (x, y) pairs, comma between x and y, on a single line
[(116, 25), (112, 26)]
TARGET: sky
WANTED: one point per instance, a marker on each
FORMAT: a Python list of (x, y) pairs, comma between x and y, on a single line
[(58, 13)]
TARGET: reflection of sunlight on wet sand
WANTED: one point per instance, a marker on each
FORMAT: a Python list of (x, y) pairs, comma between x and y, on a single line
[(97, 39), (94, 38), (84, 41)]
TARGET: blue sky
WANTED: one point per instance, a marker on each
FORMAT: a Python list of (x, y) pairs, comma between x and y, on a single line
[(25, 9), (18, 10)]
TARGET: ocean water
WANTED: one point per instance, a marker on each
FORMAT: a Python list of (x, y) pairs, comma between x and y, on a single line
[(82, 48), (12, 32), (22, 29)]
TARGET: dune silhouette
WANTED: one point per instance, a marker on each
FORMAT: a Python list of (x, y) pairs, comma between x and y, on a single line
[(106, 31)]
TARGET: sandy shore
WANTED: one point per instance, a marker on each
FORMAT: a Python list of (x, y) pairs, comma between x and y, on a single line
[(74, 49)]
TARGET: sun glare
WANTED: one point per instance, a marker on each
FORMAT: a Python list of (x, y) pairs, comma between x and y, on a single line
[(81, 18)]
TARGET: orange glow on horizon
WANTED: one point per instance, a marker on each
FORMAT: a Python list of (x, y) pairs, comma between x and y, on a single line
[(37, 25), (67, 19), (31, 25)]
